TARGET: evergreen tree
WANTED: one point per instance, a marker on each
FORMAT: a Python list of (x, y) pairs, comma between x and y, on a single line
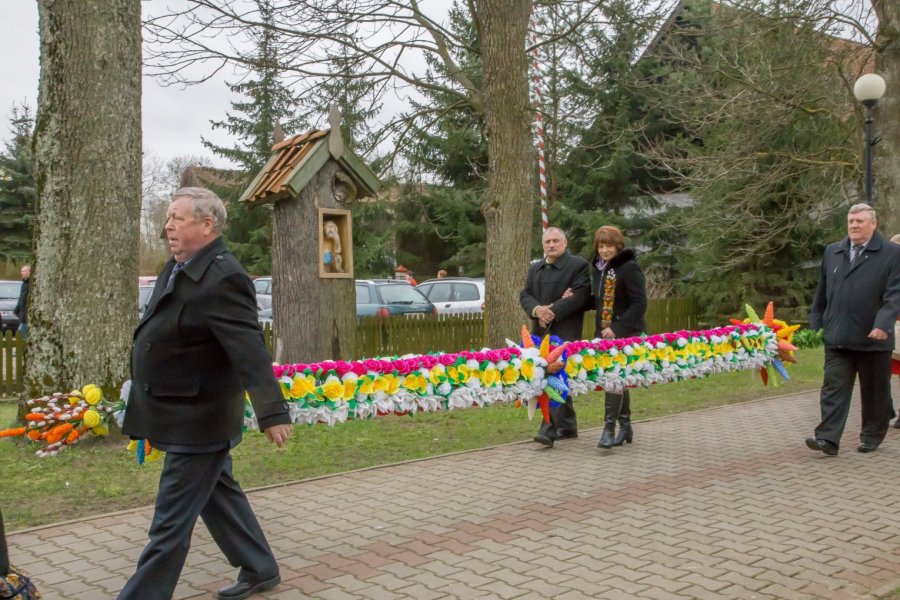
[(440, 225), (17, 188), (267, 102), (766, 151)]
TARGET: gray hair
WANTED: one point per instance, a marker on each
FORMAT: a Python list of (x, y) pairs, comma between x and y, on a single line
[(204, 203), (896, 238), (862, 207), (557, 230)]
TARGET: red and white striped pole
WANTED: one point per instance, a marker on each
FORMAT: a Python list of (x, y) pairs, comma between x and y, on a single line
[(539, 124)]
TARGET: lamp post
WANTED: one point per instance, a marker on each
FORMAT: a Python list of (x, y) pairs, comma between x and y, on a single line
[(868, 89)]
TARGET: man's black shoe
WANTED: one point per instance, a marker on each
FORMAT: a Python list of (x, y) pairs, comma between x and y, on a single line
[(245, 589), (543, 440), (822, 446), (865, 447), (566, 435)]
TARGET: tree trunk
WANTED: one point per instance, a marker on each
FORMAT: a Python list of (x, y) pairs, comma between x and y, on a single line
[(315, 318), (510, 195), (82, 307), (886, 161)]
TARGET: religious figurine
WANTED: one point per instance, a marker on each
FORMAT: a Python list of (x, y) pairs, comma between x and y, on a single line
[(332, 255)]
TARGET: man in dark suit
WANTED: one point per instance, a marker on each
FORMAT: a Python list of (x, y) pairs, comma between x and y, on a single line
[(857, 302), (196, 351), (550, 312)]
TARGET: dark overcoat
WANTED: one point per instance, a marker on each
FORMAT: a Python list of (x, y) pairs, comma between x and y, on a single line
[(851, 300), (630, 298), (545, 284), (195, 352)]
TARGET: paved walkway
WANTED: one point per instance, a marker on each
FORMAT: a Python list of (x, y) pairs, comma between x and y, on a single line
[(723, 503)]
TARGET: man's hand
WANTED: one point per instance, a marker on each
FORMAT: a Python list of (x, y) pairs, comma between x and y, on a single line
[(878, 335), (279, 434), (608, 334), (544, 315), (568, 293)]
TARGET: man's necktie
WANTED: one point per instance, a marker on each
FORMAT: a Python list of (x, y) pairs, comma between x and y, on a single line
[(854, 252), (178, 267)]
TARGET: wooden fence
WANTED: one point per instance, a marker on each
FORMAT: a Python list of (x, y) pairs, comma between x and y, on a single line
[(397, 336), (12, 351)]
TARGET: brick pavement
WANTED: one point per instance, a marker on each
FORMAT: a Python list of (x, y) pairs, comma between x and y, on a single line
[(722, 503)]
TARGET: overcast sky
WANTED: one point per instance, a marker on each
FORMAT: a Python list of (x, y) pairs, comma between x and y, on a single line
[(174, 119)]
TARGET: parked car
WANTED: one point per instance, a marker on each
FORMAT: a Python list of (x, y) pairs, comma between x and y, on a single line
[(388, 297), (263, 286), (144, 293), (9, 297), (455, 295), (265, 316)]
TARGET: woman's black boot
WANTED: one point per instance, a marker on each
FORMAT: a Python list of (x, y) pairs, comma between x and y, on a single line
[(626, 433), (612, 404)]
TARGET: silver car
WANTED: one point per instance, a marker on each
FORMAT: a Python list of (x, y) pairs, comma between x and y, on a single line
[(263, 287), (455, 295)]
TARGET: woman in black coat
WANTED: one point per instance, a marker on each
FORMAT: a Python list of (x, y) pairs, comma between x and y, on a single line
[(619, 295)]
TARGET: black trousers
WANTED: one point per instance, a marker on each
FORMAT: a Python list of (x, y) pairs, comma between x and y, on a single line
[(193, 485), (841, 370), (563, 421)]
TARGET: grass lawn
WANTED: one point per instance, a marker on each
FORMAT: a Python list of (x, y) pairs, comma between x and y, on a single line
[(98, 476)]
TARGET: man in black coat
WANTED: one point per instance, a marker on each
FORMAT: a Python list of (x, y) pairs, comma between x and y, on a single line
[(196, 351), (857, 302), (543, 302)]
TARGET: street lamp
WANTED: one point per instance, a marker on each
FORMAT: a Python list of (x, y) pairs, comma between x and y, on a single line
[(868, 89)]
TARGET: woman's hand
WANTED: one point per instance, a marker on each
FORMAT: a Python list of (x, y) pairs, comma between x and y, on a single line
[(608, 334)]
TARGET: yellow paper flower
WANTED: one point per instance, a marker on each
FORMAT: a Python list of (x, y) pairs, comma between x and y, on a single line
[(393, 383), (572, 368), (350, 385), (528, 370), (100, 430), (366, 385), (332, 389), (92, 394), (90, 418), (437, 375), (589, 362), (411, 382), (380, 383), (302, 386), (464, 373), (490, 376), (510, 375)]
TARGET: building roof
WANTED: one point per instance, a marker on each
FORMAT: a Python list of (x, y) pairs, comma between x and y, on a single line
[(297, 159)]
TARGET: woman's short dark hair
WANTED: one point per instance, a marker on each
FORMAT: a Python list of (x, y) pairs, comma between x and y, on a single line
[(611, 235)]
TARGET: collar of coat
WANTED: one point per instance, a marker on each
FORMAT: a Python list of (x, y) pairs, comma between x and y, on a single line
[(196, 266), (616, 261), (559, 263), (874, 244)]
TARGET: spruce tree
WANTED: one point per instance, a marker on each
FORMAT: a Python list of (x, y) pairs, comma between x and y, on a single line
[(267, 101), (17, 188)]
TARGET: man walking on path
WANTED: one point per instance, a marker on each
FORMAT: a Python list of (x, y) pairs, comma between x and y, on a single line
[(195, 352), (856, 302)]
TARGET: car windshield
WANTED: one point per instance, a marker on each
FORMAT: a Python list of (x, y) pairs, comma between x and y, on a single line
[(401, 293), (9, 289)]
